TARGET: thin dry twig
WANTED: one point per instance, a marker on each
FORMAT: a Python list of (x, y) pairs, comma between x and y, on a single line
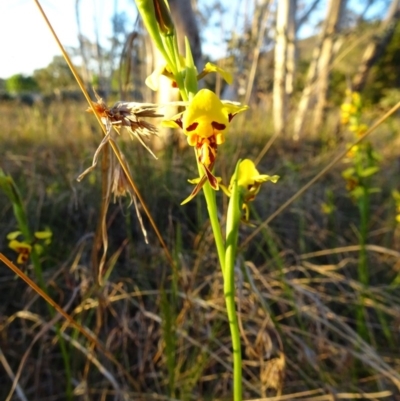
[(83, 330), (89, 354), (44, 329), (7, 368)]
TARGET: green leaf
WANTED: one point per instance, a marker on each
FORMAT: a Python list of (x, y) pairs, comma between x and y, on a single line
[(348, 173), (369, 171), (374, 190)]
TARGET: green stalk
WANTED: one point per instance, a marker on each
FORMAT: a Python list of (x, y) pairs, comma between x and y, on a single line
[(209, 195), (232, 234), (363, 207), (227, 258)]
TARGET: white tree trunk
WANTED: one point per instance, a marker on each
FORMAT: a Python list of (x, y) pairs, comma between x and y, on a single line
[(281, 46), (260, 32), (335, 9), (291, 56), (308, 96)]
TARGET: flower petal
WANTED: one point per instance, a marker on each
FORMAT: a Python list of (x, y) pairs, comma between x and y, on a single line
[(43, 234), (210, 67), (212, 179), (13, 235), (19, 246), (204, 109), (196, 190)]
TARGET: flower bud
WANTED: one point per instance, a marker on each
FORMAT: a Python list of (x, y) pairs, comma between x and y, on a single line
[(163, 17)]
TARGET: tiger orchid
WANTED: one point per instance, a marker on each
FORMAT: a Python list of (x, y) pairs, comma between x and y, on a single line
[(205, 122)]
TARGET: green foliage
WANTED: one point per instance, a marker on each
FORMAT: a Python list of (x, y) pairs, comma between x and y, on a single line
[(56, 75), (21, 83)]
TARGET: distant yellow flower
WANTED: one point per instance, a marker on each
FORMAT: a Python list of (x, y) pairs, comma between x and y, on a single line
[(351, 153), (45, 235), (205, 123), (347, 111), (22, 248)]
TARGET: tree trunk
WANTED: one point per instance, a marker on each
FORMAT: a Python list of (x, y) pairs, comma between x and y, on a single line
[(260, 32), (307, 98), (325, 60), (281, 47), (376, 47), (291, 56)]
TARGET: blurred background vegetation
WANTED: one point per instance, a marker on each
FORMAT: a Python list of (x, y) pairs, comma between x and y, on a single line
[(314, 326)]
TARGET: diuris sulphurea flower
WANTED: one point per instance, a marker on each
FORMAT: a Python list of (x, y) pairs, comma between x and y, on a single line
[(205, 123), (249, 182), (24, 249)]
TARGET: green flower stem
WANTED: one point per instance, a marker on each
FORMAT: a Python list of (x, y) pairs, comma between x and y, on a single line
[(209, 195), (227, 261), (232, 234), (229, 292)]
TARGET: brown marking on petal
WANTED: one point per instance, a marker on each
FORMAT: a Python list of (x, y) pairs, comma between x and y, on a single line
[(204, 154), (206, 151), (211, 178), (212, 140), (174, 84), (230, 116), (218, 126), (179, 122), (196, 190), (192, 127)]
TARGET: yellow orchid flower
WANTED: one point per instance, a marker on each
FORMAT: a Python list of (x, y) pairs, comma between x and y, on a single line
[(22, 248), (205, 122), (250, 180), (249, 183)]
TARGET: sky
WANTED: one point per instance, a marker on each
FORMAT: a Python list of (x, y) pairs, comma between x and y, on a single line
[(26, 43)]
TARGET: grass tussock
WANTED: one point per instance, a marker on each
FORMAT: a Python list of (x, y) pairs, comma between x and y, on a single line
[(299, 293)]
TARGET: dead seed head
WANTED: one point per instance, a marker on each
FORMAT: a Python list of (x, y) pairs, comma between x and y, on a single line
[(123, 114), (128, 115)]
